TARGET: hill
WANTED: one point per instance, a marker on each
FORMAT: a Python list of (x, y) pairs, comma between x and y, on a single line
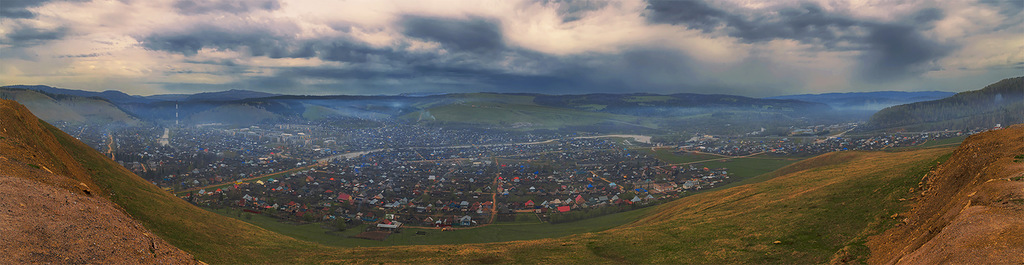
[(675, 113), (831, 208), (868, 101), (55, 211), (971, 209), (229, 95), (999, 103), (67, 108), (110, 95)]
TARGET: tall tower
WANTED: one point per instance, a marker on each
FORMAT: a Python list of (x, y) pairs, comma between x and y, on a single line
[(175, 114)]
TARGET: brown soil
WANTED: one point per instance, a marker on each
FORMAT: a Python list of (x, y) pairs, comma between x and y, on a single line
[(52, 212), (971, 209)]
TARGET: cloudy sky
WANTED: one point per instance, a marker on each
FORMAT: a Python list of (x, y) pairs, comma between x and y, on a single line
[(751, 48)]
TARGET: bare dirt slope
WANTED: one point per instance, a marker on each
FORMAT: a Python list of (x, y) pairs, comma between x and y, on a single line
[(971, 210), (51, 211)]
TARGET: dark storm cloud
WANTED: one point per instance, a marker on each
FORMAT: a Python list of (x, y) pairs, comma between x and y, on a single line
[(693, 14), (23, 35), (258, 40), (471, 35), (898, 51), (807, 23), (19, 8), (889, 50), (653, 70), (228, 6)]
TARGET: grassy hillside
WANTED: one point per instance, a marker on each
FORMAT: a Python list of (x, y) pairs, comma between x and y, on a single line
[(813, 211), (63, 108)]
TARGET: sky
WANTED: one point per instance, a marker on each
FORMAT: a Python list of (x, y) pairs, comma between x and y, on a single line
[(740, 47)]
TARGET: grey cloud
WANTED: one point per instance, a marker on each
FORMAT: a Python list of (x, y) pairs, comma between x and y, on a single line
[(927, 16), (472, 34), (19, 8), (23, 36), (693, 14), (87, 55), (889, 50), (1006, 7), (807, 23), (227, 6), (259, 40), (573, 10), (898, 51)]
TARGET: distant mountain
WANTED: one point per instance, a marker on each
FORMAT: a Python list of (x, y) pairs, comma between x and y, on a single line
[(111, 95), (230, 95), (998, 103), (672, 105), (868, 101), (621, 112), (69, 108), (169, 97)]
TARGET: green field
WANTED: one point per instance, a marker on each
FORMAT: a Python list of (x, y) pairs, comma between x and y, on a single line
[(743, 167), (525, 228), (748, 167)]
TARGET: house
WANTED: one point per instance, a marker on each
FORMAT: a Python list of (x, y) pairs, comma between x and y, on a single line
[(529, 203), (635, 199), (563, 209), (389, 225), (466, 221)]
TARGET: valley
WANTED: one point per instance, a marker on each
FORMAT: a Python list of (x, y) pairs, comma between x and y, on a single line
[(795, 205), (511, 132)]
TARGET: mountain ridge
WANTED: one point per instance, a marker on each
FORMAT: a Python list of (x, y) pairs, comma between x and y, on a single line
[(1001, 102)]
